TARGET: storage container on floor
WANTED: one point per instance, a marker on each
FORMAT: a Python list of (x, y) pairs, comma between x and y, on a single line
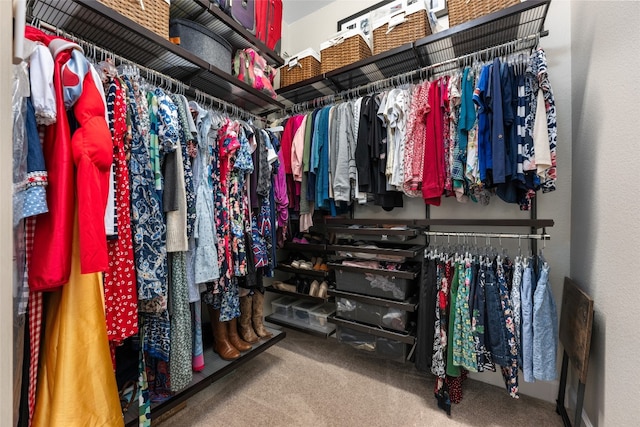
[(301, 310), (283, 307), (385, 348), (318, 315)]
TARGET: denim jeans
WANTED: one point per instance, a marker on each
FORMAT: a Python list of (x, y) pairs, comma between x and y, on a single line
[(496, 339)]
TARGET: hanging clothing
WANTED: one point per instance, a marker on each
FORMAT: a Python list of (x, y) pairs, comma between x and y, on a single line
[(452, 369), (527, 321), (427, 313), (464, 350), (147, 223), (76, 384), (479, 327), (180, 357), (510, 367), (433, 173), (548, 175), (90, 151), (121, 299), (545, 328)]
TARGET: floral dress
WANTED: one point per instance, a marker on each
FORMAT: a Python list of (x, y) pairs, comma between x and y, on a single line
[(439, 360), (239, 206), (121, 300), (149, 231), (539, 60), (464, 350), (224, 294), (483, 355), (510, 371)]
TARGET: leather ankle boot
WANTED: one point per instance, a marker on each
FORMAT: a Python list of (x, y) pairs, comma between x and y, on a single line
[(234, 338), (221, 344), (246, 330), (258, 326)]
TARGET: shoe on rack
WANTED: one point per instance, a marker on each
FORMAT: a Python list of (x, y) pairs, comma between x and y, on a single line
[(314, 288), (324, 288), (318, 263), (305, 265), (296, 263), (305, 287)]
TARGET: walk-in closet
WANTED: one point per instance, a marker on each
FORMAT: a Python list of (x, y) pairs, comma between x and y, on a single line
[(296, 213)]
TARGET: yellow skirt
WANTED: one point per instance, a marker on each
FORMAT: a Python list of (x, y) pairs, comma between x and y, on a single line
[(76, 382)]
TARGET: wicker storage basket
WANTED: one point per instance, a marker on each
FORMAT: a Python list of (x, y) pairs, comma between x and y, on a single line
[(154, 17), (302, 66), (344, 49), (461, 11), (415, 26)]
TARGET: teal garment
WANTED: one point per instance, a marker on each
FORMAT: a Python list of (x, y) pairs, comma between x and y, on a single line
[(453, 370), (466, 122), (320, 159), (464, 353)]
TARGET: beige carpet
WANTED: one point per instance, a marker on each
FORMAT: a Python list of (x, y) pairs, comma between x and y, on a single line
[(310, 381)]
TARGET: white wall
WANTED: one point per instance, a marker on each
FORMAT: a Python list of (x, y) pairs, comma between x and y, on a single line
[(319, 26), (6, 252), (605, 234)]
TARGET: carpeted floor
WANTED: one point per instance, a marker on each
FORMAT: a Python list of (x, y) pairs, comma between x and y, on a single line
[(310, 381)]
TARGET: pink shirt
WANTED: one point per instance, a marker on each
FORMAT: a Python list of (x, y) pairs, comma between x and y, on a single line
[(297, 148)]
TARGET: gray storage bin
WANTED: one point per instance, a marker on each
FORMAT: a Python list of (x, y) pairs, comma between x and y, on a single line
[(357, 339), (202, 42), (346, 308), (378, 285), (390, 318)]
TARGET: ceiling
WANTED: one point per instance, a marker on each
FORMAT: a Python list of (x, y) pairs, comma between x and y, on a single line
[(297, 9)]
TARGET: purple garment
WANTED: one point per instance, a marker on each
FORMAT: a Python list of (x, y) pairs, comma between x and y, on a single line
[(280, 192)]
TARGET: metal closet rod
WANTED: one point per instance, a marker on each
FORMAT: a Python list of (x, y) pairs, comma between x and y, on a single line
[(542, 236), (152, 76), (507, 48)]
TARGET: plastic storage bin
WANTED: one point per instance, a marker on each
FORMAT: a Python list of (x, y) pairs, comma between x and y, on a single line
[(283, 307), (392, 285), (318, 315), (301, 311)]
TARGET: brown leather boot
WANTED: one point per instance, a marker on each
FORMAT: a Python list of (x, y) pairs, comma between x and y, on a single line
[(246, 330), (221, 344), (234, 338), (258, 326)]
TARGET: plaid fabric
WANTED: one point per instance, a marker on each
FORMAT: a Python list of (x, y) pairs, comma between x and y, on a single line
[(34, 309), (23, 291)]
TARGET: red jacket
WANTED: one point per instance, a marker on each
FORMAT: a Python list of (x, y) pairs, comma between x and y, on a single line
[(78, 165)]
